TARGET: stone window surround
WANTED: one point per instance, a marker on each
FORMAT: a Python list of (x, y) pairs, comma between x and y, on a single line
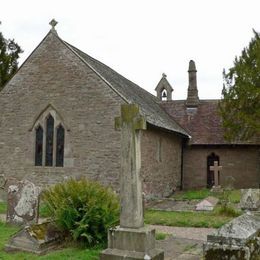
[(40, 120)]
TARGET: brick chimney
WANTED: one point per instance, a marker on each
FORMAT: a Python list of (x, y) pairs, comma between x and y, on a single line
[(192, 98)]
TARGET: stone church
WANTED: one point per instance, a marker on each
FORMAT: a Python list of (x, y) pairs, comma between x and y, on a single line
[(57, 121)]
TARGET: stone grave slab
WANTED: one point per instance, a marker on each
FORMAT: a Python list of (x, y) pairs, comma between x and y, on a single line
[(37, 239), (250, 199), (238, 239), (207, 204), (22, 203)]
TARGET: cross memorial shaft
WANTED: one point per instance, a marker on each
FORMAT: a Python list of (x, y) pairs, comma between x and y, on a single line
[(131, 240), (130, 123)]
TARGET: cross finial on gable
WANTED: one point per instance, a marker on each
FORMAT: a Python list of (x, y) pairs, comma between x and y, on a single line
[(53, 23)]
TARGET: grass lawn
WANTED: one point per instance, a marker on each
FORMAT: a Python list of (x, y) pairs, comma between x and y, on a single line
[(66, 253), (186, 219), (214, 219), (234, 195)]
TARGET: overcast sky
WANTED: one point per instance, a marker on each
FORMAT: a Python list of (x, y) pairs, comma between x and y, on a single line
[(141, 39)]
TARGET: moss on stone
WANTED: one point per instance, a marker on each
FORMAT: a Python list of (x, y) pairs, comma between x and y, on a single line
[(39, 231)]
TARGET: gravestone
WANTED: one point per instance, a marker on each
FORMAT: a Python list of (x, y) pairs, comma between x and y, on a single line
[(238, 239), (22, 203), (131, 240), (207, 204), (37, 239), (250, 199), (216, 168)]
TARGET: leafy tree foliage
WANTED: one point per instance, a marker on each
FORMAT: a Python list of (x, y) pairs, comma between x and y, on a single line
[(9, 54), (240, 104)]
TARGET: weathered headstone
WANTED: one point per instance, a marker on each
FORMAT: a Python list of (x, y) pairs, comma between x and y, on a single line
[(216, 168), (22, 203), (250, 199), (38, 239), (238, 239), (131, 240), (207, 204)]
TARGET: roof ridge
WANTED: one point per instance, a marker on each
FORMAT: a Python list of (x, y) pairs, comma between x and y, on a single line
[(130, 92)]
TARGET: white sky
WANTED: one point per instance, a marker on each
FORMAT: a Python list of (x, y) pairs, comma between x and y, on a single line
[(141, 39)]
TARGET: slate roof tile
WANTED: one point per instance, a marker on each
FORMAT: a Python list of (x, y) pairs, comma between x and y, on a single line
[(132, 93), (202, 123)]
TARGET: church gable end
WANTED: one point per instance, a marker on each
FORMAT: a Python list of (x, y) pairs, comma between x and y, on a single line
[(55, 97)]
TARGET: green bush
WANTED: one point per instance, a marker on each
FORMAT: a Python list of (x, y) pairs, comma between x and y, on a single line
[(84, 209)]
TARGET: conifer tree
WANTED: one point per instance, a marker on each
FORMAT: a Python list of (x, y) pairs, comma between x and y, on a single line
[(240, 103), (9, 54)]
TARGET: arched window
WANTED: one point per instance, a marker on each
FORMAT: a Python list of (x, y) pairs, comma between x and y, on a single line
[(49, 140), (60, 146), (38, 146)]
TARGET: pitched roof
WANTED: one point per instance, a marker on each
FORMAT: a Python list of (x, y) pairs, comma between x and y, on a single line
[(131, 93), (202, 123)]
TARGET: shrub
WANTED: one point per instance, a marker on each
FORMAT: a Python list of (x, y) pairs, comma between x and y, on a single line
[(84, 209)]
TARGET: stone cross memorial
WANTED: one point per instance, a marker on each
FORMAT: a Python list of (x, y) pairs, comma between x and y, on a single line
[(131, 240), (216, 168)]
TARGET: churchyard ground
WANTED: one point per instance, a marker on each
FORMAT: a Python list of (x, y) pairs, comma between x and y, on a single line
[(156, 217), (71, 252)]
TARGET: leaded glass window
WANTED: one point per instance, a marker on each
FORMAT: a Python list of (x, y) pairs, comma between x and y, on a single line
[(49, 140), (38, 146), (60, 146)]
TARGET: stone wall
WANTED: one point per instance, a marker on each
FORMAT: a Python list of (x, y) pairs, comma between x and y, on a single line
[(161, 162), (53, 79), (240, 162)]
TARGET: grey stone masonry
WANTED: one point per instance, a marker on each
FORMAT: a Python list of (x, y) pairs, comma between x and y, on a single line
[(131, 240), (238, 239)]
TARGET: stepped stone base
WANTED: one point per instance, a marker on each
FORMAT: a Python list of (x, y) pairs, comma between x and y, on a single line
[(130, 244)]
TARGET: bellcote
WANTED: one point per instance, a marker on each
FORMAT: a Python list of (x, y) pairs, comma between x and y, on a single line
[(164, 89), (192, 97)]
